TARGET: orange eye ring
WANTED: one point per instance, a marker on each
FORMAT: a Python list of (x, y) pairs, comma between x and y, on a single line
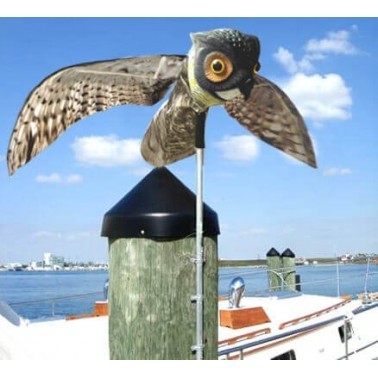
[(218, 67)]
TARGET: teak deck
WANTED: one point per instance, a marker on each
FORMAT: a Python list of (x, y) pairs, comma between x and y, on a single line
[(243, 317)]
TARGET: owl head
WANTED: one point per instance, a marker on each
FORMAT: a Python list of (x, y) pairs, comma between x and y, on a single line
[(222, 64)]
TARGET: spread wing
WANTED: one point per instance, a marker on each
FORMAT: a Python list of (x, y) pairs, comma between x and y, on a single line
[(75, 92), (271, 116), (171, 134)]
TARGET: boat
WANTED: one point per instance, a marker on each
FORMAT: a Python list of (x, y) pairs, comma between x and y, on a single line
[(274, 325), (300, 327)]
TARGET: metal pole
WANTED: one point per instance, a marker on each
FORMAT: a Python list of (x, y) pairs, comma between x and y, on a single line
[(199, 260), (346, 338), (199, 255), (337, 277), (367, 275)]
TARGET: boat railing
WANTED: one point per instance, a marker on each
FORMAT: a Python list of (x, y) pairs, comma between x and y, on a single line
[(304, 285), (240, 351), (53, 301)]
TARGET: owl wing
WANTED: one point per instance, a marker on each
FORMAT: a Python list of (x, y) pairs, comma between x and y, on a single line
[(271, 116), (78, 91), (171, 134)]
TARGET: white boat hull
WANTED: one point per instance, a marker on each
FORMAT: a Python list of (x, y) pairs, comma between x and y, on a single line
[(300, 327)]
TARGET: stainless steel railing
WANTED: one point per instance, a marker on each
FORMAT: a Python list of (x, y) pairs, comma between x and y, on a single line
[(54, 301)]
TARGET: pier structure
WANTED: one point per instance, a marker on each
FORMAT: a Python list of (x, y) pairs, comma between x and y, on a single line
[(152, 272)]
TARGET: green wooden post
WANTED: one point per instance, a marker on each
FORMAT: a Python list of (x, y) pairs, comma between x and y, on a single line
[(288, 269), (151, 235), (273, 261)]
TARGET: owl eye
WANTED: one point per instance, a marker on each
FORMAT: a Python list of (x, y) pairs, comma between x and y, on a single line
[(218, 67), (256, 68)]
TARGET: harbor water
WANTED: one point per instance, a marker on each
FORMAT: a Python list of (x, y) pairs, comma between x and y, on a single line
[(35, 294)]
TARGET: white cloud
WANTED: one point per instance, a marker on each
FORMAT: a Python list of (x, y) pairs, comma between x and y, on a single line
[(71, 236), (47, 234), (73, 179), (337, 171), (238, 147), (48, 179), (320, 97), (79, 235), (56, 178), (287, 60), (337, 42), (107, 151)]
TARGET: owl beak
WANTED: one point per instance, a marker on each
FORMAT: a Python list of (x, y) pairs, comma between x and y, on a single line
[(246, 88)]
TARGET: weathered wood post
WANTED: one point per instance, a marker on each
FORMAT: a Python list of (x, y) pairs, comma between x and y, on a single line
[(288, 270), (273, 261), (152, 273)]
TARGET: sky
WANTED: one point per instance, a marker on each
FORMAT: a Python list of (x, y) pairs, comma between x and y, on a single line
[(263, 199)]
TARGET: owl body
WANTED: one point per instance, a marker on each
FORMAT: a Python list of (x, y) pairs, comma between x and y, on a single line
[(220, 69)]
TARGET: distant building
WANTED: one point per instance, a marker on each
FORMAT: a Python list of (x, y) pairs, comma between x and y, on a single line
[(14, 266), (347, 257), (51, 260), (37, 265), (300, 261)]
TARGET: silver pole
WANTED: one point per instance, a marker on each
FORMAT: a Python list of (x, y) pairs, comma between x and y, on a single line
[(346, 338), (199, 254), (367, 275), (199, 260), (337, 277)]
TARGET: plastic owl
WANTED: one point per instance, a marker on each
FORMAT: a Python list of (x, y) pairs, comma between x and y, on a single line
[(220, 69)]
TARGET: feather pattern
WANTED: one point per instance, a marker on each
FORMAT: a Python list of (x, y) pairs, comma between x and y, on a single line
[(271, 116), (75, 92), (170, 136)]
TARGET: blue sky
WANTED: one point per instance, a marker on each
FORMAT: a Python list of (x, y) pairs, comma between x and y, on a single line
[(263, 199)]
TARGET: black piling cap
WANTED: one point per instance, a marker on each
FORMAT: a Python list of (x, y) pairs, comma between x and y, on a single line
[(272, 253), (288, 253), (160, 206)]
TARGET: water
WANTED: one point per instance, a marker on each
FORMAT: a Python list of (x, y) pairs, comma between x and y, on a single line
[(315, 279), (18, 287)]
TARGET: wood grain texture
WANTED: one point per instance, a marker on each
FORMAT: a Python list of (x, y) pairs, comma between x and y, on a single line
[(243, 317), (274, 267), (288, 273), (151, 316)]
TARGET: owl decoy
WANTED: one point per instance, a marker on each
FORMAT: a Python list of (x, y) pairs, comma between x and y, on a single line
[(220, 69)]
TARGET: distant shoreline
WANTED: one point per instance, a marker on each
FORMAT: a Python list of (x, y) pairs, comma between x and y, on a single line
[(262, 262), (78, 269), (222, 263)]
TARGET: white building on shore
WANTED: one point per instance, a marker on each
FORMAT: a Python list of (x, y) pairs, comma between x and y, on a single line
[(53, 261)]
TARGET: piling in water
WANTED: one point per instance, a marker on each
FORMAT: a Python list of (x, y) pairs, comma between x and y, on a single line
[(273, 260), (288, 270)]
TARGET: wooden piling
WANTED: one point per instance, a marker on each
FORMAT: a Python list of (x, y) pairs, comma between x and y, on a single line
[(273, 261), (288, 270), (151, 235)]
